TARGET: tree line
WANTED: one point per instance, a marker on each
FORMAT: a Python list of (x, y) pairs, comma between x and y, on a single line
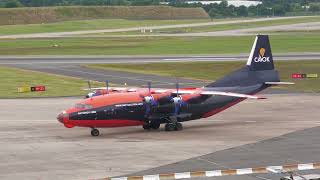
[(44, 3), (266, 8)]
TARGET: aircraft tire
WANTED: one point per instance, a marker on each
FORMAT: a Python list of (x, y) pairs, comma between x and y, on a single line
[(146, 126), (170, 127), (179, 126), (95, 132), (155, 125)]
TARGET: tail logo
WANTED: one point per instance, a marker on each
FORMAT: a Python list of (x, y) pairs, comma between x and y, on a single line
[(261, 57), (262, 51)]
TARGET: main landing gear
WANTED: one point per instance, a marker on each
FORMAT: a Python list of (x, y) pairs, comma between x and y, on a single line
[(151, 125), (173, 127), (95, 132), (173, 124)]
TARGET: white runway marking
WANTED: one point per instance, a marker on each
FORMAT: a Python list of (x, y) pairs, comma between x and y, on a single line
[(203, 59)]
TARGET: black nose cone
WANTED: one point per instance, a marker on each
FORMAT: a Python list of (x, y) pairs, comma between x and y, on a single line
[(60, 117)]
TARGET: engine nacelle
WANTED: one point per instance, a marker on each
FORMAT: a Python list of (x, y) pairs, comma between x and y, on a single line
[(177, 100), (90, 95), (148, 99)]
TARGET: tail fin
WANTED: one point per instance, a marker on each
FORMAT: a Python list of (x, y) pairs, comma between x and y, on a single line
[(258, 70), (261, 56)]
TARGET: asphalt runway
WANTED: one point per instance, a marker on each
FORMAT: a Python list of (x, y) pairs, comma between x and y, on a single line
[(35, 146), (67, 60)]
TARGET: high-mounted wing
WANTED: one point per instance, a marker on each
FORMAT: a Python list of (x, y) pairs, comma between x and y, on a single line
[(128, 89), (221, 93)]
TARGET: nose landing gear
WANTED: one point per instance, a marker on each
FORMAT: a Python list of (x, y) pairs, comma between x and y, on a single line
[(95, 132)]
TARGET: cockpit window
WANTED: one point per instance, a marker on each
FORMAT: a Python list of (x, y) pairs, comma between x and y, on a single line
[(83, 106)]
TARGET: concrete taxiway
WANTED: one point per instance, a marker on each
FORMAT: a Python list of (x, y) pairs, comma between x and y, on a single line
[(35, 146), (71, 66)]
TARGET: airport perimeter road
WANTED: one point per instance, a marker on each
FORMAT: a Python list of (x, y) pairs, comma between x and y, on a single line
[(35, 146)]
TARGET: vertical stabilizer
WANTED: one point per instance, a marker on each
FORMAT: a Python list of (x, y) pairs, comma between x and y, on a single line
[(258, 70), (260, 57)]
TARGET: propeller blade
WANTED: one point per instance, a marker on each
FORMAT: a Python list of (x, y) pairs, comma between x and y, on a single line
[(107, 86), (177, 87), (89, 84), (149, 88)]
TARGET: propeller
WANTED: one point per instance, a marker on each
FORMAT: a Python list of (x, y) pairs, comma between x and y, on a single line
[(178, 101), (149, 101)]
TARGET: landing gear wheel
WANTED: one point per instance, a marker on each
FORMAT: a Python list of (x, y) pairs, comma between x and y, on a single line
[(170, 127), (95, 132), (146, 126), (155, 125), (179, 127)]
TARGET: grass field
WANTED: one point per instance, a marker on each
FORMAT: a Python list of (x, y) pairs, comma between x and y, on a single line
[(87, 25), (156, 45), (56, 85), (243, 25), (38, 15), (222, 27), (214, 70)]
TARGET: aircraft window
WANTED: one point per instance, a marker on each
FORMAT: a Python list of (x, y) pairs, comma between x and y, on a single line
[(88, 106), (83, 106)]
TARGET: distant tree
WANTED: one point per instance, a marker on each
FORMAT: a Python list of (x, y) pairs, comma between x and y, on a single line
[(144, 2), (213, 13), (314, 7), (12, 4), (296, 7), (242, 11), (252, 11), (279, 10), (223, 5)]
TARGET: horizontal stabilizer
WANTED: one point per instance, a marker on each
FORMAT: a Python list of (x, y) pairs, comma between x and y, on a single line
[(279, 83)]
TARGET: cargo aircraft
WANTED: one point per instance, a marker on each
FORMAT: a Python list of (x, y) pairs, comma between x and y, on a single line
[(151, 107)]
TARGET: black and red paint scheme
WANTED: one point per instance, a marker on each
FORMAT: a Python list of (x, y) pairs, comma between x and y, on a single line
[(151, 107)]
